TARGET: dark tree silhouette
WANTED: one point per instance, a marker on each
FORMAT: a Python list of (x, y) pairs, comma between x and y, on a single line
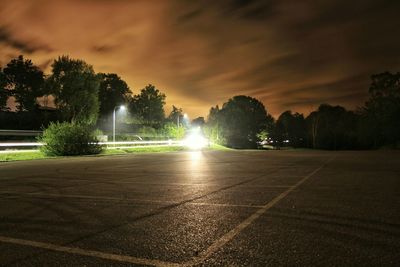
[(80, 94), (213, 128), (4, 93), (149, 106), (213, 114), (176, 115), (75, 86), (381, 115), (241, 119), (290, 129), (113, 91), (198, 122), (25, 82), (312, 126), (332, 127)]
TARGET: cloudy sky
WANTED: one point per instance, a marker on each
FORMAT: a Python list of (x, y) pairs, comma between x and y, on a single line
[(290, 54)]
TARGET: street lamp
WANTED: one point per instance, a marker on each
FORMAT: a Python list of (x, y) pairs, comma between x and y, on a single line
[(121, 108), (185, 116)]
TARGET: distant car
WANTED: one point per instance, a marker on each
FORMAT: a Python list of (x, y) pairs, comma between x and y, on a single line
[(267, 143)]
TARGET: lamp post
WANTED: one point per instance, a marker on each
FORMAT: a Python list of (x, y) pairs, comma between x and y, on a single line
[(185, 116), (122, 108)]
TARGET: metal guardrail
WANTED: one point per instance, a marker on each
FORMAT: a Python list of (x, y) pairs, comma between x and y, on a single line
[(113, 144), (20, 144), (165, 142), (20, 133)]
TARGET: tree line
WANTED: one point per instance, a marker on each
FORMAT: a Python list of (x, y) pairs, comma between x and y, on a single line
[(81, 95), (243, 122), (78, 93)]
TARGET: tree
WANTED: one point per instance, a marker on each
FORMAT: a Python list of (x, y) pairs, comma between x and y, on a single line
[(75, 87), (149, 106), (25, 82), (176, 115), (4, 93), (382, 110), (290, 129), (242, 118), (212, 128), (113, 91), (333, 127), (199, 121), (313, 120)]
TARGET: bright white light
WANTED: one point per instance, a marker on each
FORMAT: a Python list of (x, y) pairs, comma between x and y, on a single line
[(195, 141), (185, 116), (122, 108)]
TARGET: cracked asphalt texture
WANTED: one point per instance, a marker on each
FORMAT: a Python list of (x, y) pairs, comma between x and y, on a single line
[(171, 207)]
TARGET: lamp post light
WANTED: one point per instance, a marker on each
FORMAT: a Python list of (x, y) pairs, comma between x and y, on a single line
[(185, 119), (185, 116), (121, 108)]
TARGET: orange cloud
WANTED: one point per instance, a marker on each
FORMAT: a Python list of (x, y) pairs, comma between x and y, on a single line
[(290, 55)]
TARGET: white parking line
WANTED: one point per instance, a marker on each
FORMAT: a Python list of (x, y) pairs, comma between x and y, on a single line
[(235, 231), (199, 184), (224, 205), (84, 252)]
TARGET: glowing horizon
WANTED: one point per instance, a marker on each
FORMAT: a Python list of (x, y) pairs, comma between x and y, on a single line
[(289, 55)]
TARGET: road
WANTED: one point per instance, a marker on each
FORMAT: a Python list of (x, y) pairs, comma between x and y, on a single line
[(213, 208)]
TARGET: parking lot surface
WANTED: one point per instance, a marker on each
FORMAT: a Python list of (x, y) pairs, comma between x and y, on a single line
[(210, 208)]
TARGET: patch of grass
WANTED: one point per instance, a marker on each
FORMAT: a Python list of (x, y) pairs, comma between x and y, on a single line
[(219, 147), (152, 149), (15, 156)]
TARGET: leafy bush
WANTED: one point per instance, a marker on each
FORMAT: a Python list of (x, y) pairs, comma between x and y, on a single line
[(69, 139), (171, 130)]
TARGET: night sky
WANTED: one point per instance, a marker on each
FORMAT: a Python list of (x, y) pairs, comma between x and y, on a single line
[(290, 54)]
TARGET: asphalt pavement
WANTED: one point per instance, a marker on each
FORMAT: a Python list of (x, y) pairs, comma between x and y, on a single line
[(211, 208)]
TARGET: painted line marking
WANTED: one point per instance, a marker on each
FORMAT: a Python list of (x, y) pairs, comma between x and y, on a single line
[(84, 252), (235, 231), (202, 184), (224, 205)]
